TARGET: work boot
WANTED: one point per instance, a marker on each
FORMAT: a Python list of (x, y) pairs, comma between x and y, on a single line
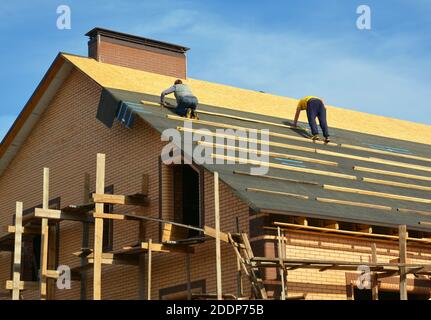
[(327, 140), (195, 115), (315, 137), (189, 113)]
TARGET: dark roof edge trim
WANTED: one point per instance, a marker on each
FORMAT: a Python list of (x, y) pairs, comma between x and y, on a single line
[(136, 39)]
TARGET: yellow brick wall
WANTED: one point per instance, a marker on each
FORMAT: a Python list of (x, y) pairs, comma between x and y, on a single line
[(331, 284), (66, 139)]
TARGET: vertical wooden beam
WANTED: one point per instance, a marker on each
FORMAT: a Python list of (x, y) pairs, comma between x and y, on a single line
[(149, 269), (85, 237), (44, 238), (284, 253), (301, 220), (17, 252), (374, 279), (217, 228), (402, 233), (142, 277), (142, 235), (98, 229), (280, 268), (51, 264), (239, 284), (188, 277)]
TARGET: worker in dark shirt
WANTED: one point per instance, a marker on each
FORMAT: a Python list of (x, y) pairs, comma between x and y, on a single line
[(315, 109), (186, 101)]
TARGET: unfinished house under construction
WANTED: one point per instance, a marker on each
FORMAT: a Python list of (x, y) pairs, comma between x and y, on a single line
[(83, 185)]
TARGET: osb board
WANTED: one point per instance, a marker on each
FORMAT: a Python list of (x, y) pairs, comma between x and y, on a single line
[(117, 77)]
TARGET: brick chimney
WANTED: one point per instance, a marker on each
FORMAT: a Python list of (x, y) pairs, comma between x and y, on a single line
[(138, 53)]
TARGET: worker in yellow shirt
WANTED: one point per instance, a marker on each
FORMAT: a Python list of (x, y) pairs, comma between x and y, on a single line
[(315, 108)]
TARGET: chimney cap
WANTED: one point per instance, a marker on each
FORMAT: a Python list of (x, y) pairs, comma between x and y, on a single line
[(135, 39)]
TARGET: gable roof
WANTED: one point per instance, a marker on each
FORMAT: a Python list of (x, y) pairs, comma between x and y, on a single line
[(393, 190), (223, 96), (312, 179)]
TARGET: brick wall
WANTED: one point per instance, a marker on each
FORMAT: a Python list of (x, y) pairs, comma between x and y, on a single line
[(333, 284), (66, 139), (141, 58)]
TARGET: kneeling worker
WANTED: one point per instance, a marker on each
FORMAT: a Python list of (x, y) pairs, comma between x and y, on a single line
[(315, 108), (186, 101)]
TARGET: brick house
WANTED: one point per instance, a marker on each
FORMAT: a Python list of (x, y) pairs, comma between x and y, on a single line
[(333, 202)]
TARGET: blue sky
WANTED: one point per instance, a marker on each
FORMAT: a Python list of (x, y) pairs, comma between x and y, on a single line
[(290, 47)]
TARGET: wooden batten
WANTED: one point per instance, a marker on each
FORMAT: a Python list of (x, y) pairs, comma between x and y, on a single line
[(270, 154), (392, 173), (376, 194), (284, 167), (286, 194), (354, 204), (135, 200)]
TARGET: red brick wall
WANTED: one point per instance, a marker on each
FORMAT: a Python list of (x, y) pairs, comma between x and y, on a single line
[(66, 139), (141, 58)]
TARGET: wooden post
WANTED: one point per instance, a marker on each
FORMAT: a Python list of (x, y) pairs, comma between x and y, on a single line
[(189, 287), (402, 233), (51, 263), (284, 247), (17, 252), (283, 292), (142, 235), (98, 229), (374, 279), (85, 237), (239, 285), (141, 278), (149, 269), (217, 228), (44, 237)]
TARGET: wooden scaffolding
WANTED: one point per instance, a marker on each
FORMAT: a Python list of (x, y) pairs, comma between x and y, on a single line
[(91, 211)]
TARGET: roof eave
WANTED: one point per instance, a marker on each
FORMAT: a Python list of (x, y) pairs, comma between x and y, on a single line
[(52, 80)]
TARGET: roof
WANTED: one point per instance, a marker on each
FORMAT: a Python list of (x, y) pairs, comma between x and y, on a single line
[(389, 185), (117, 77), (323, 182)]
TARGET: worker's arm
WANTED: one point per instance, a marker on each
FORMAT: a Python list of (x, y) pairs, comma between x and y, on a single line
[(166, 92), (295, 121)]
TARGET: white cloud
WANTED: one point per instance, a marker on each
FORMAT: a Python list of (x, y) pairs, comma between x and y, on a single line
[(385, 81)]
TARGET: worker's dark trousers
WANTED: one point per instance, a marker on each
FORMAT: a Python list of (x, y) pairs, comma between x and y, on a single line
[(316, 108), (185, 103)]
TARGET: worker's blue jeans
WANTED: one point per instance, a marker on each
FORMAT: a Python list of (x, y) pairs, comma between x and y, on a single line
[(184, 103), (316, 108)]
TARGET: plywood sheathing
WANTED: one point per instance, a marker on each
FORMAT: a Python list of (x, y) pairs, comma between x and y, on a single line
[(117, 77)]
